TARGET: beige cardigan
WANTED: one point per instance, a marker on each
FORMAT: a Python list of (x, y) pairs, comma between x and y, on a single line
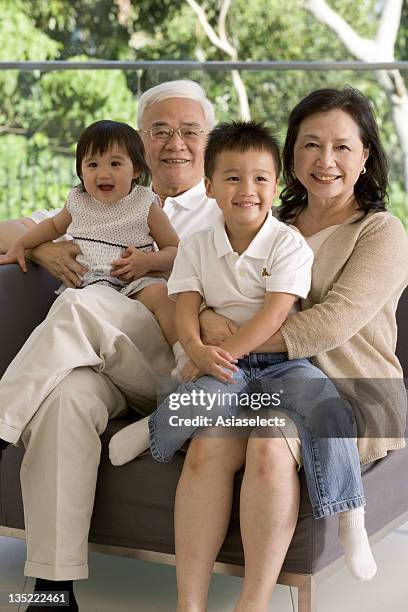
[(347, 324)]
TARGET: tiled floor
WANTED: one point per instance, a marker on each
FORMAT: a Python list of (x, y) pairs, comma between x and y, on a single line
[(126, 585)]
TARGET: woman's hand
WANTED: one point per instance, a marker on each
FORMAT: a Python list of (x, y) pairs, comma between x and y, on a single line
[(215, 329), (134, 264), (274, 344), (59, 258), (15, 255), (190, 372), (215, 361)]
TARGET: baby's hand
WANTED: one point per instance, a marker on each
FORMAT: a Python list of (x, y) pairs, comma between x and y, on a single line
[(15, 255), (215, 361), (133, 265)]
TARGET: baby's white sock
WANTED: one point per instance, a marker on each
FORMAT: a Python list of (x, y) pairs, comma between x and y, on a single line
[(354, 539), (181, 359), (129, 442)]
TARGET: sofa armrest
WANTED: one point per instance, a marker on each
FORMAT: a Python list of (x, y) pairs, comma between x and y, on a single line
[(24, 302)]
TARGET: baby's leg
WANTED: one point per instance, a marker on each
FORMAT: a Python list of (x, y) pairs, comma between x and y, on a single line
[(155, 298)]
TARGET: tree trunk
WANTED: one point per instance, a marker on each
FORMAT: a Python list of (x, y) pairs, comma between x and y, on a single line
[(400, 115), (394, 86), (379, 49)]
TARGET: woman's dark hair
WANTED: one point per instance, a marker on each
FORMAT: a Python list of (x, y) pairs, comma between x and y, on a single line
[(371, 188), (241, 136), (100, 136)]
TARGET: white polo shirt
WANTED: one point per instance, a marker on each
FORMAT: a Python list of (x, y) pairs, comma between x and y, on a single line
[(277, 260), (189, 212)]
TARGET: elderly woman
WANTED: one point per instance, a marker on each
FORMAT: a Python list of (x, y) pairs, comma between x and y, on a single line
[(336, 177)]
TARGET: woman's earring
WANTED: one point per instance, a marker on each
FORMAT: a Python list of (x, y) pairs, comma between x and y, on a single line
[(364, 170)]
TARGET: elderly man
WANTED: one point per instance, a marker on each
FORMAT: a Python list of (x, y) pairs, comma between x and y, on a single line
[(62, 440)]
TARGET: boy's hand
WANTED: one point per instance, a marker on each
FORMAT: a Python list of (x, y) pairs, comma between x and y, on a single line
[(134, 264), (15, 255), (215, 361)]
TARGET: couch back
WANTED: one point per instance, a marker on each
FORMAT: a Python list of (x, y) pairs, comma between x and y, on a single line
[(24, 302), (26, 298)]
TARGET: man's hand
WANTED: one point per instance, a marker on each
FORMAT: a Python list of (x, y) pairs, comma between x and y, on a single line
[(215, 329), (59, 258), (15, 255), (215, 361), (134, 264)]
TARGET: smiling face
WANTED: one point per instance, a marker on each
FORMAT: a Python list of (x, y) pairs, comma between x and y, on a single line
[(329, 155), (175, 165), (244, 186), (108, 177)]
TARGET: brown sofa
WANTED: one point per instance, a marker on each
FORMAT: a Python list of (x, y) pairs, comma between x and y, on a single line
[(133, 513)]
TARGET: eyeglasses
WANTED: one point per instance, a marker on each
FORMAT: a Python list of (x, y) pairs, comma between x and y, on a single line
[(163, 133)]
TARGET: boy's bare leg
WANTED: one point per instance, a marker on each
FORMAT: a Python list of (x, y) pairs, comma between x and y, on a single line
[(202, 513), (268, 516)]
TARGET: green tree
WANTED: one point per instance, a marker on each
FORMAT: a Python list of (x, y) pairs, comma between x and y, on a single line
[(43, 113)]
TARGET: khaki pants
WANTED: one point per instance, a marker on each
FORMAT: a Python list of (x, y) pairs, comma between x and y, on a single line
[(96, 327), (59, 408), (96, 352), (59, 472)]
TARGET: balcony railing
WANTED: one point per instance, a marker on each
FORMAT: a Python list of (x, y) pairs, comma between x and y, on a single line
[(43, 181)]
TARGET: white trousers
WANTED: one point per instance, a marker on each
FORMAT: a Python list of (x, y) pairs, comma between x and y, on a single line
[(96, 351)]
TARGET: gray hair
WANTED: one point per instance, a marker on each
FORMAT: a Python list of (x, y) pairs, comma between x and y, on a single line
[(177, 89)]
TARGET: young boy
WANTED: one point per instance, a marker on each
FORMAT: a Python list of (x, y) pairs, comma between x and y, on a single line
[(249, 267)]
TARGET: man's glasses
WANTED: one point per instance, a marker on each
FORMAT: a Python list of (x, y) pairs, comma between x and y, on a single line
[(163, 133)]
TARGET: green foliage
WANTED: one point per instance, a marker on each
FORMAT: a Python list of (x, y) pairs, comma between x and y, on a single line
[(401, 50), (42, 114), (398, 202), (28, 182)]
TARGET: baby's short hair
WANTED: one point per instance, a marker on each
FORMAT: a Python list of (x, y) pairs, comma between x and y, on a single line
[(240, 136), (100, 136)]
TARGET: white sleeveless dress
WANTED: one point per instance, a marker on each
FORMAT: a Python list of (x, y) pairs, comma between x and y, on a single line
[(103, 231)]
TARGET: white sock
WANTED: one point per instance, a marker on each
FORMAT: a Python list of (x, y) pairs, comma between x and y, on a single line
[(129, 442), (353, 537), (181, 359)]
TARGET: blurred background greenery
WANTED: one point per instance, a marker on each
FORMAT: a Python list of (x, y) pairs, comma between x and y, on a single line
[(42, 113)]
